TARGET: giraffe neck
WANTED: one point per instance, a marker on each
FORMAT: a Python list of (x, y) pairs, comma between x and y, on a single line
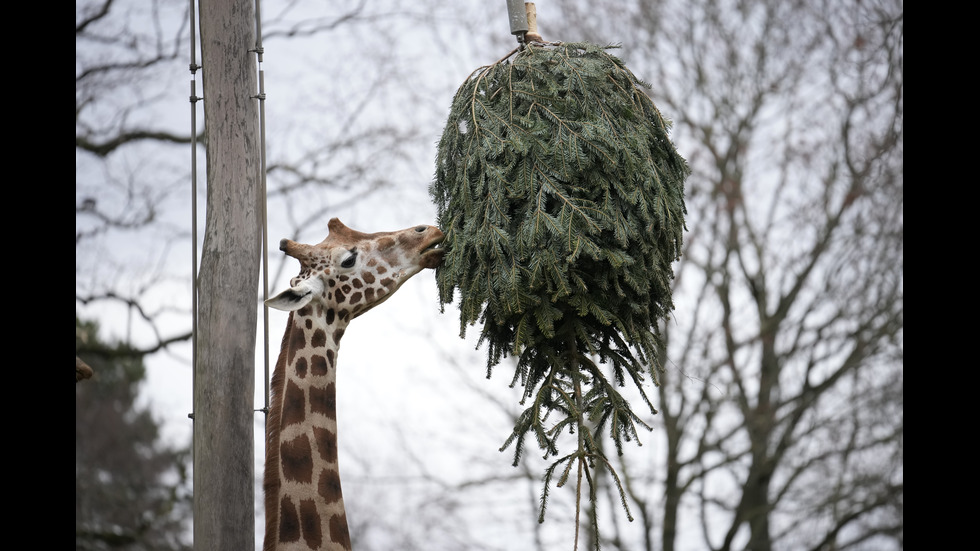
[(303, 500)]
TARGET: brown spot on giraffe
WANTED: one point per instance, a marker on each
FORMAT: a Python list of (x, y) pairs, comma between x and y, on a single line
[(297, 342), (301, 367), (326, 441), (318, 365), (309, 520), (297, 459), (385, 243), (323, 400), (329, 486), (319, 339), (338, 530), (338, 281), (293, 405), (289, 530)]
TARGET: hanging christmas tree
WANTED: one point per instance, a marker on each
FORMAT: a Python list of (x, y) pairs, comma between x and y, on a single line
[(562, 199)]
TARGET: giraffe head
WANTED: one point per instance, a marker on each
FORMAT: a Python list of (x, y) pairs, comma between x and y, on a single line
[(350, 272)]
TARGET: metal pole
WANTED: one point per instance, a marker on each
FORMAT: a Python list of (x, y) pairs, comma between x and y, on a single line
[(518, 18)]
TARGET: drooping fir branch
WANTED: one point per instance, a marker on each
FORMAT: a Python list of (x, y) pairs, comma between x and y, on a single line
[(575, 396), (561, 197)]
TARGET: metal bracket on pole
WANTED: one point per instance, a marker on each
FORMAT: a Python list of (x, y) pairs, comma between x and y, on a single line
[(523, 21), (518, 19)]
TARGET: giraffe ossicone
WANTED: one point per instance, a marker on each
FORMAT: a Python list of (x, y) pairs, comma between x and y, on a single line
[(345, 275)]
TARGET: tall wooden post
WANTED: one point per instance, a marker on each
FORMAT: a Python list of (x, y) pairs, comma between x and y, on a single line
[(224, 516)]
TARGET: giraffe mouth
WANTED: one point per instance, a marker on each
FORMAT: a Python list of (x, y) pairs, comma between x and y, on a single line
[(435, 245), (432, 253)]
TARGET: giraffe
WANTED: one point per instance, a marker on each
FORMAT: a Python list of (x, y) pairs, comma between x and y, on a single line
[(82, 370), (345, 275)]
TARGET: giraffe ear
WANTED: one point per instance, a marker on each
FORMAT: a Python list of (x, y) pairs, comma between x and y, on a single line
[(295, 297), (290, 299)]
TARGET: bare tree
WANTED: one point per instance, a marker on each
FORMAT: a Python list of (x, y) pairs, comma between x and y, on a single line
[(781, 412), (128, 164), (330, 143)]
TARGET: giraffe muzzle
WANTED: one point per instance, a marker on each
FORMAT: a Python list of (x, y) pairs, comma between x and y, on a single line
[(433, 252)]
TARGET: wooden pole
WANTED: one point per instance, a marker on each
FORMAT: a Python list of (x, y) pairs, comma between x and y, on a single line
[(532, 34), (224, 392)]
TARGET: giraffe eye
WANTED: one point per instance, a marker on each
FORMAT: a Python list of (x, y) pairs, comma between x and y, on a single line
[(350, 260)]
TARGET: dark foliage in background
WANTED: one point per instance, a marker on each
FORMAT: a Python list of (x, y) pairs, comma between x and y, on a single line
[(131, 490)]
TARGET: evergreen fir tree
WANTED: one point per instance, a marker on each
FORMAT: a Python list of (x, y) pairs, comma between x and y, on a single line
[(562, 198)]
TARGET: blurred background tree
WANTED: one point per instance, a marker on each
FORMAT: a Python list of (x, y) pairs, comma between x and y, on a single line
[(782, 423), (132, 490), (781, 408)]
